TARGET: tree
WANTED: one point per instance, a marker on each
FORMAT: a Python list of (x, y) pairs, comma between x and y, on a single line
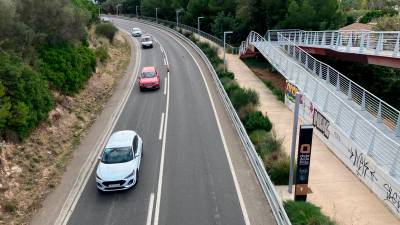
[(275, 12), (223, 23)]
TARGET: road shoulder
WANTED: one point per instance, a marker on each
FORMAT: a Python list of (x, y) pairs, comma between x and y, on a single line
[(54, 202)]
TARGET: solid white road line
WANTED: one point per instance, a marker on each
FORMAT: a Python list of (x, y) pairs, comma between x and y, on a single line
[(160, 174), (161, 126), (150, 209), (165, 86), (235, 181), (162, 49), (165, 62)]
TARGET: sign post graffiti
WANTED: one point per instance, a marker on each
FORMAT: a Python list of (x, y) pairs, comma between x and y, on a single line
[(303, 162)]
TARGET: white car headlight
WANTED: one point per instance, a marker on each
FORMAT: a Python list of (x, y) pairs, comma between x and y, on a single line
[(98, 177), (131, 174)]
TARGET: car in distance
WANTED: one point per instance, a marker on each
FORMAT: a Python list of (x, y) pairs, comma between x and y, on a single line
[(119, 164), (105, 19), (149, 78), (136, 32), (147, 41)]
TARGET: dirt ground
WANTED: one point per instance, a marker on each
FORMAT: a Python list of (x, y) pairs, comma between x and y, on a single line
[(30, 170), (276, 79)]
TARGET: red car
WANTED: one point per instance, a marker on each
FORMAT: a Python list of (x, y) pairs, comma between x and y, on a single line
[(149, 79)]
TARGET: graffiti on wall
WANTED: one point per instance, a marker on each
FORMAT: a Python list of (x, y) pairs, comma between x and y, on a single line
[(321, 123), (361, 164), (392, 196), (291, 91)]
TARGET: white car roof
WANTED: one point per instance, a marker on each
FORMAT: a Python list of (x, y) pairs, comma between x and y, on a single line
[(122, 138), (136, 28)]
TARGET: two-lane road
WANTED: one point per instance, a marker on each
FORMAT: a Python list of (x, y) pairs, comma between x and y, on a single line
[(194, 184)]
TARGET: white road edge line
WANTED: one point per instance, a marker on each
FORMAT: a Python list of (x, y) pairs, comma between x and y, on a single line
[(150, 209), (160, 174), (241, 201), (162, 49), (84, 175), (161, 126), (165, 62), (165, 86)]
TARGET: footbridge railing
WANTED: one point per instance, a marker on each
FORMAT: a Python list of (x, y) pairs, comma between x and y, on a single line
[(368, 121), (385, 43)]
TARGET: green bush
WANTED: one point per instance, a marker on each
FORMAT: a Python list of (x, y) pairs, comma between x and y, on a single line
[(241, 97), (102, 54), (266, 142), (222, 74), (24, 96), (256, 121), (279, 171), (107, 30), (305, 213), (279, 94), (67, 67)]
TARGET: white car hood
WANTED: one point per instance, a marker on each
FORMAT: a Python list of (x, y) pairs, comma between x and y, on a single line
[(116, 171), (147, 42)]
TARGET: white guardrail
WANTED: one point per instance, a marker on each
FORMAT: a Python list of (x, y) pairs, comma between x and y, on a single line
[(258, 165), (353, 116), (171, 24), (385, 43)]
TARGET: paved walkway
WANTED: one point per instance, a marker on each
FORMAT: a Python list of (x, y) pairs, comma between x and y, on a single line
[(339, 193)]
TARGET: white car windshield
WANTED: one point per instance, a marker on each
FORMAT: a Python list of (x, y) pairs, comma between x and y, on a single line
[(148, 74), (135, 29), (117, 155), (146, 39)]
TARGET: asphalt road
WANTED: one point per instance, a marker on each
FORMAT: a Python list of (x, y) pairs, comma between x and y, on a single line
[(197, 184)]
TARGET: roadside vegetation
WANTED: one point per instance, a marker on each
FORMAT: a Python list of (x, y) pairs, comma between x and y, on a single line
[(55, 76), (305, 213), (268, 75)]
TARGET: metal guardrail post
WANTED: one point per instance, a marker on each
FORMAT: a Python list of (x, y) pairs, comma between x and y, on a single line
[(363, 101), (372, 144), (338, 82), (350, 42), (397, 132), (397, 45), (349, 93), (379, 115), (323, 39), (361, 50)]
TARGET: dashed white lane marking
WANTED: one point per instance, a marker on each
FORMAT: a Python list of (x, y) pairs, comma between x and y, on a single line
[(150, 209), (161, 126)]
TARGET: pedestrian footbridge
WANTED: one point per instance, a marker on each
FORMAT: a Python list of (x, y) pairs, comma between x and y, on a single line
[(372, 47), (360, 128)]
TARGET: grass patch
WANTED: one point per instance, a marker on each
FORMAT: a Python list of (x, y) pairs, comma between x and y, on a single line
[(10, 206), (279, 94), (305, 213)]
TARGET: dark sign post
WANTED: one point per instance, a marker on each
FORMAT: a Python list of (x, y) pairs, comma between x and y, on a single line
[(303, 162)]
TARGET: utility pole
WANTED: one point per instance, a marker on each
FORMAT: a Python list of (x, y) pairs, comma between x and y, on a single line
[(177, 16), (294, 138), (198, 23), (156, 15), (137, 15), (225, 33)]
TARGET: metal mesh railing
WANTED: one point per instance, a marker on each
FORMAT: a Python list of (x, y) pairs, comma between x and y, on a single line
[(351, 108), (378, 109), (353, 41), (229, 48)]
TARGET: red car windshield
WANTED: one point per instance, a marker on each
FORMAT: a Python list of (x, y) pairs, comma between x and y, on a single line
[(148, 74)]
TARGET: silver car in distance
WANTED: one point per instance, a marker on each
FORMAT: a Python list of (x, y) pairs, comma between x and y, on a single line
[(136, 32), (119, 164)]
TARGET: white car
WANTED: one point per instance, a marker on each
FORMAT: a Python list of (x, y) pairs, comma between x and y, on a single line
[(136, 32), (147, 41), (119, 164), (105, 19)]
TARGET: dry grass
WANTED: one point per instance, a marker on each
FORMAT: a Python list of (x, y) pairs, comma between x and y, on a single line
[(30, 170)]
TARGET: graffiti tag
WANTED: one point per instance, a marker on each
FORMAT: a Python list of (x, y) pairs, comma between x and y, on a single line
[(321, 123), (392, 196), (361, 164), (291, 91)]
